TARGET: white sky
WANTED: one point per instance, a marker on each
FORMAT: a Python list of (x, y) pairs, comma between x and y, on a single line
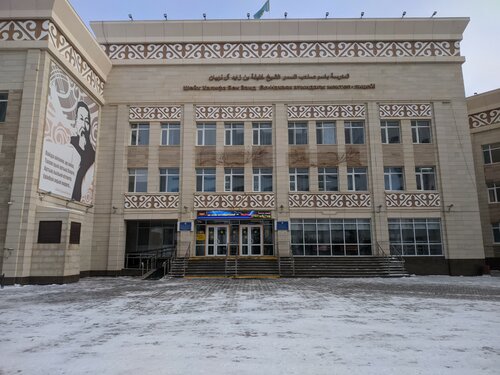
[(480, 45)]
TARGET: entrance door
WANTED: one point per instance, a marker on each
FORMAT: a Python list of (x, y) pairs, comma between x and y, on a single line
[(217, 240), (251, 240)]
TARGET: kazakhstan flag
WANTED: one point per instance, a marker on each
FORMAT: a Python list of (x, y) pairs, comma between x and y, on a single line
[(265, 8)]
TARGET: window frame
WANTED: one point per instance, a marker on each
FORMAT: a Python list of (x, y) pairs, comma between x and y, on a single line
[(257, 129), (352, 172), (167, 174), (493, 187), (202, 174), (389, 174), (415, 131), (204, 128), (231, 130), (401, 246), (293, 128), (298, 176), (488, 150), (349, 128), (231, 177), (166, 131), (419, 176), (4, 103), (321, 126), (385, 127), (133, 174), (495, 227), (323, 175), (137, 131), (258, 174)]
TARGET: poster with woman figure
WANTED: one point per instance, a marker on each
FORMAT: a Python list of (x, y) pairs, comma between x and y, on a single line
[(70, 139)]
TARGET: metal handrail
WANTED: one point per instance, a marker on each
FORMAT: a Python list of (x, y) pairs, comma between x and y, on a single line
[(186, 259), (292, 260), (394, 252)]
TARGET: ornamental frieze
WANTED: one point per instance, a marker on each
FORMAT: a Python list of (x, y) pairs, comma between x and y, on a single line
[(234, 112), (155, 113), (405, 110), (152, 201), (413, 200), (245, 200), (356, 111), (281, 50), (484, 118), (329, 200)]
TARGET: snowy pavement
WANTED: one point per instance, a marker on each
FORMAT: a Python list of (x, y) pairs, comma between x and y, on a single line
[(416, 325)]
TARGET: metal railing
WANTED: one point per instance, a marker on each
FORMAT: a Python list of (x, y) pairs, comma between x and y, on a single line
[(385, 249), (186, 259), (148, 259)]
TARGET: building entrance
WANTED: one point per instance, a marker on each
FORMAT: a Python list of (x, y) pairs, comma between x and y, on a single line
[(251, 240), (217, 240)]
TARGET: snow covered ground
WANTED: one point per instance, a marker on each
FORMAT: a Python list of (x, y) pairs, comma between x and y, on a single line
[(417, 325)]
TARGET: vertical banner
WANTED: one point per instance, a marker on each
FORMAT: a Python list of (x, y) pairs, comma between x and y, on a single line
[(70, 139)]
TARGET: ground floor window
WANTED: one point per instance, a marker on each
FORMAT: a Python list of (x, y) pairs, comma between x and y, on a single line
[(238, 237), (415, 237), (327, 237), (144, 235)]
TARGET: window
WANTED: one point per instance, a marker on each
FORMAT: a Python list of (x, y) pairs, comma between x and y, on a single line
[(426, 178), (326, 133), (205, 179), (74, 233), (297, 133), (390, 132), (393, 178), (170, 134), (357, 179), (205, 134), (262, 133), (421, 131), (49, 231), (262, 179), (491, 153), (234, 179), (299, 179), (138, 180), (415, 236), (494, 192), (3, 105), (139, 134), (169, 180), (328, 179), (354, 132), (327, 237), (234, 134), (496, 232)]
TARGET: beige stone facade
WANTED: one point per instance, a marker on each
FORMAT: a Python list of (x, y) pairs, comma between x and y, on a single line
[(330, 90), (484, 123)]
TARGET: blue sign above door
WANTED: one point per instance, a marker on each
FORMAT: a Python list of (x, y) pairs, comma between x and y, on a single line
[(233, 215)]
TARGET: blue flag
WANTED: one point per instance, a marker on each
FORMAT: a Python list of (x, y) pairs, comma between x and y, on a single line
[(265, 8)]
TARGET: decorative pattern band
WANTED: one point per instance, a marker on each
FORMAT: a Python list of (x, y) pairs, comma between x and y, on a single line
[(234, 112), (29, 30), (405, 110), (281, 50), (326, 111), (248, 200), (413, 200), (333, 200), (154, 201), (155, 113), (484, 118)]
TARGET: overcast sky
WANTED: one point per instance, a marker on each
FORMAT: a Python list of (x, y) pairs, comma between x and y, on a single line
[(480, 45)]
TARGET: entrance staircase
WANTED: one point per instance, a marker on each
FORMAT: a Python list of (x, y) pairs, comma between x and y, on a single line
[(359, 266)]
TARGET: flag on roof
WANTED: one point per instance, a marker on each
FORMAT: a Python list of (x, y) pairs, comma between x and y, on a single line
[(265, 8)]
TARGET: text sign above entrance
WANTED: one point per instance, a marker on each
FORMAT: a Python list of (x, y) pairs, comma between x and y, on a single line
[(233, 215)]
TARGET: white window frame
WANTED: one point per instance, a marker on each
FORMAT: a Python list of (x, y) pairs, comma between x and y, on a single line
[(230, 174), (201, 133), (258, 175), (230, 131), (204, 173), (257, 129), (494, 190), (488, 152), (391, 172), (134, 173), (404, 224), (295, 174), (321, 126), (385, 126), (349, 127), (495, 227), (416, 125), (138, 129), (166, 131), (352, 172), (420, 172), (166, 173), (322, 177), (293, 127), (6, 101)]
